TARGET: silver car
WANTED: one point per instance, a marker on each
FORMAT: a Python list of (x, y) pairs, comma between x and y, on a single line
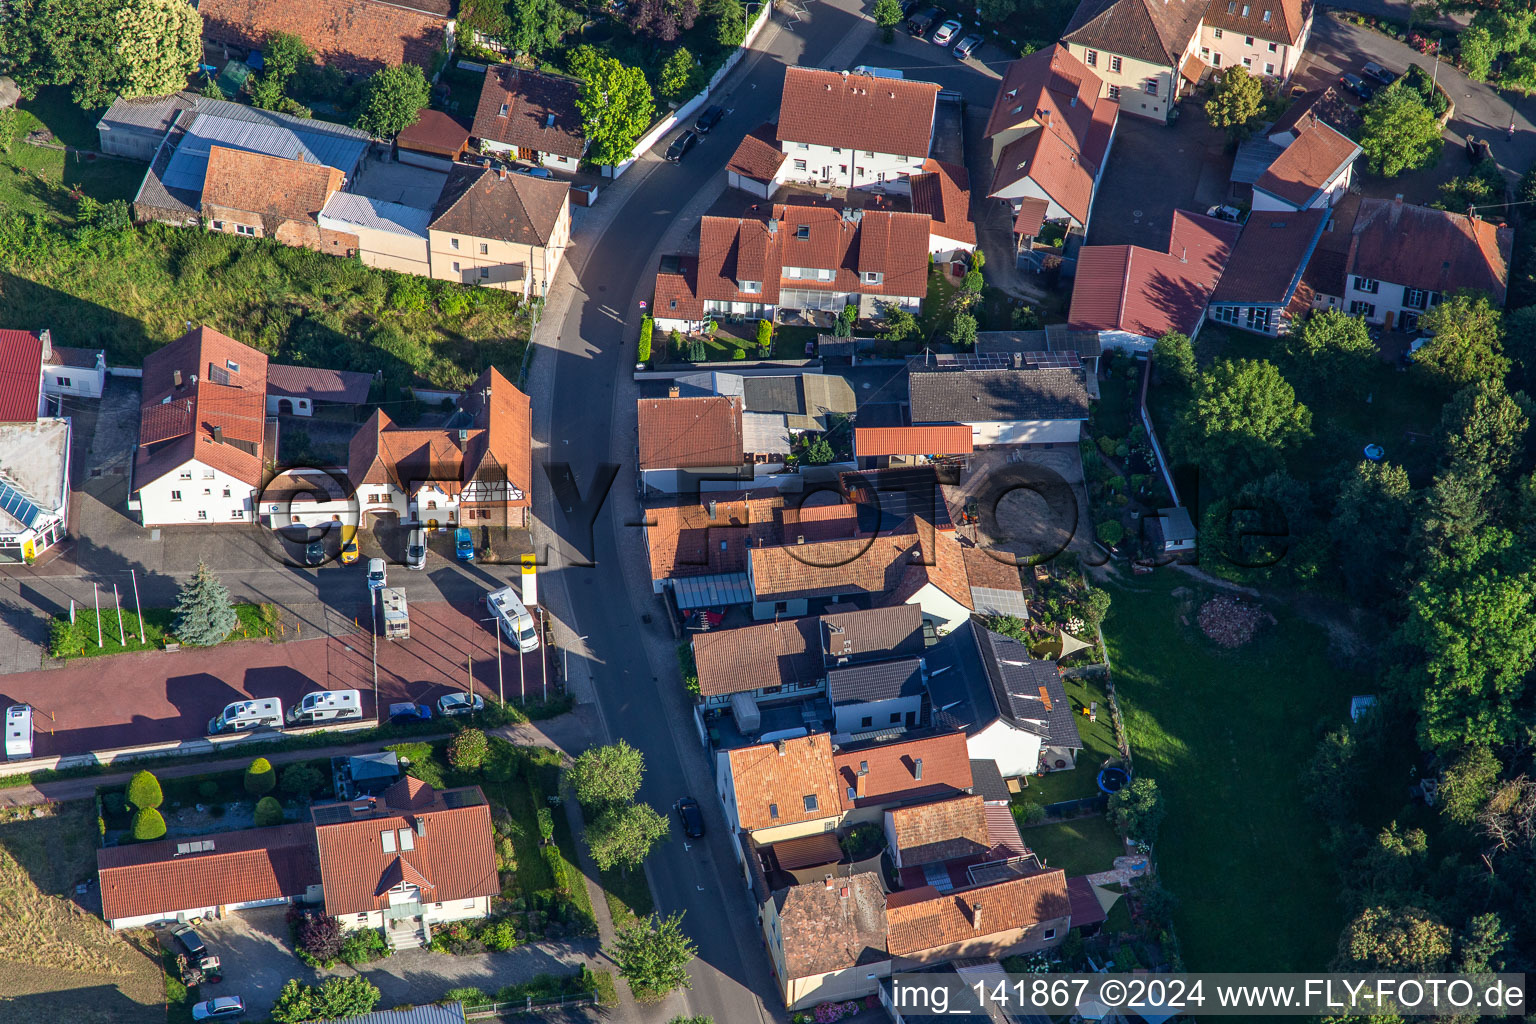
[(946, 32), (416, 549), (967, 46)]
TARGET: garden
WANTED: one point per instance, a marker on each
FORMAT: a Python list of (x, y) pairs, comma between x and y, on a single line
[(147, 808), (79, 639), (1119, 464), (39, 177), (541, 989)]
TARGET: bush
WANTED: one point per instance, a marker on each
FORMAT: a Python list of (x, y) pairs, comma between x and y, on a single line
[(317, 935), (764, 337), (364, 945), (260, 779), (114, 803), (499, 936), (643, 352), (207, 789), (148, 824), (546, 824), (144, 791), (469, 996), (302, 780), (1029, 812), (467, 750), (1110, 532), (269, 811)]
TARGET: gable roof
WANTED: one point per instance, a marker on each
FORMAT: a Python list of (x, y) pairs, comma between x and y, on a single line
[(867, 634), (203, 397), (758, 156), (321, 385), (940, 439), (1051, 162), (1146, 293), (943, 192), (1271, 251), (359, 36), (765, 654), (890, 770), (530, 109), (928, 919), (831, 108), (268, 185), (857, 565), (832, 926), (1430, 249), (942, 830), (1156, 31), (486, 203), (1279, 20), (1026, 690), (438, 840), (1299, 174), (684, 539), (784, 782), (21, 375), (241, 866), (1048, 87), (977, 396), (690, 433), (875, 681)]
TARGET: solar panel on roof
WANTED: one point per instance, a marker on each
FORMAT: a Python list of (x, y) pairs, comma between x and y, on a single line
[(18, 505), (218, 374), (463, 798), (332, 813)]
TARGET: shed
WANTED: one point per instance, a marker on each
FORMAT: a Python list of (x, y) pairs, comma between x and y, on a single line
[(134, 128), (1172, 530), (436, 140)]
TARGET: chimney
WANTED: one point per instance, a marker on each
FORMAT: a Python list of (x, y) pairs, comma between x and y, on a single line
[(858, 785), (176, 378), (501, 172), (46, 336), (773, 225), (421, 825), (826, 880), (799, 538), (218, 435), (780, 747), (674, 391), (713, 504), (917, 769), (463, 439), (976, 916)]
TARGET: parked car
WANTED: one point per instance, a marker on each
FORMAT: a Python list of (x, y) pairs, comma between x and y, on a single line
[(416, 549), (459, 703), (708, 119), (463, 544), (691, 816), (909, 6), (919, 24), (1377, 73), (314, 553), (680, 146), (190, 941), (967, 46), (1230, 213), (1357, 85), (219, 1009), (349, 551), (946, 32), (375, 574), (870, 69), (534, 172), (408, 712)]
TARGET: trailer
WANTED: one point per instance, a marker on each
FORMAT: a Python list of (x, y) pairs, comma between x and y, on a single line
[(326, 706), (244, 715), (18, 732), (397, 617), (513, 618)]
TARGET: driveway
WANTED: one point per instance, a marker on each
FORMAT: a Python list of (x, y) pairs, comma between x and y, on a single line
[(1155, 169), (253, 949), (1030, 501)]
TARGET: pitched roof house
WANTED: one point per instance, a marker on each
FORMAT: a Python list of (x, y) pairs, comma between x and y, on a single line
[(937, 831), (1265, 36), (1023, 405), (1133, 296), (827, 938), (943, 192), (1314, 170), (358, 36), (298, 390), (1258, 291), (531, 115), (504, 230), (202, 427), (854, 130), (756, 164), (906, 771), (687, 439), (1051, 133), (1018, 914), (782, 789), (1145, 49), (264, 196)]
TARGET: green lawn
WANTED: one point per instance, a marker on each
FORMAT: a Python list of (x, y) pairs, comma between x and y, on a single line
[(629, 895), (1082, 846), (1098, 746), (1225, 734), (39, 179), (256, 622)]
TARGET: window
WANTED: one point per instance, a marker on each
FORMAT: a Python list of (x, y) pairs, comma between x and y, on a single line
[(485, 273), (1114, 93), (503, 111), (802, 145), (895, 717), (1245, 10), (226, 492), (218, 225), (810, 801), (1050, 933), (803, 231), (860, 171), (207, 474), (231, 366), (1218, 33), (1205, 53), (1266, 17), (1274, 47), (799, 165), (773, 811), (1366, 284), (207, 492), (1092, 58), (1231, 6), (869, 154), (185, 474), (1269, 68), (63, 381), (1413, 298), (872, 276), (1408, 320), (1247, 62), (1149, 87), (751, 287), (837, 149), (1258, 318), (1365, 309), (453, 243), (1215, 60), (1114, 64), (241, 229), (842, 169), (484, 249), (1226, 314), (202, 513), (237, 513), (1248, 40), (455, 266)]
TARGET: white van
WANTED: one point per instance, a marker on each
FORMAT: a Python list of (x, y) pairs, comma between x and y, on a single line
[(18, 732), (416, 549), (326, 706), (516, 622), (866, 69), (244, 715)]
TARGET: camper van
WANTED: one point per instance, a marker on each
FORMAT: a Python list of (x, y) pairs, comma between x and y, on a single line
[(18, 732), (516, 622), (244, 715), (326, 706)]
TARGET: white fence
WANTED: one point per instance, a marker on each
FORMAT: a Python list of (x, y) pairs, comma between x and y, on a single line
[(687, 110)]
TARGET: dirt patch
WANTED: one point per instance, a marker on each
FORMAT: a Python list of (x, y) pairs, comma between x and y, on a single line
[(133, 992), (1230, 622)]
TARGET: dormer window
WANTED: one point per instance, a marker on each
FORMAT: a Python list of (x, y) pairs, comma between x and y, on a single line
[(803, 231), (232, 366), (752, 287)]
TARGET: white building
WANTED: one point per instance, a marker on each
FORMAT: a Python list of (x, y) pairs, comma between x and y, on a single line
[(34, 450), (1023, 405), (854, 131)]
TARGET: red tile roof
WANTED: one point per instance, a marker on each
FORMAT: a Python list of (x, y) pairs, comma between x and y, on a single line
[(831, 927), (883, 115), (21, 375), (1030, 217), (861, 565), (1049, 87), (677, 292), (1146, 293), (269, 186), (1086, 908), (485, 203), (766, 654), (1050, 161), (319, 384), (785, 782), (1269, 256), (359, 36), (251, 864), (222, 386), (943, 192), (1156, 31), (690, 433), (758, 156), (1282, 21), (434, 132), (1430, 249), (1299, 174), (947, 439), (684, 540), (450, 856), (541, 112), (928, 919), (890, 770), (942, 830)]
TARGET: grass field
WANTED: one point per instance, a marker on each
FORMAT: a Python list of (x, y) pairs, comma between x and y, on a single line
[(58, 962), (1225, 734), (39, 179), (256, 622), (1082, 846)]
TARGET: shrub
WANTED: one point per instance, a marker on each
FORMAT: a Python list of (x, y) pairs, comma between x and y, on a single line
[(764, 336), (467, 750), (738, 353), (1110, 532), (643, 352), (546, 824), (499, 936), (301, 780), (114, 803), (148, 824), (144, 791), (364, 945), (1106, 444), (1029, 812), (269, 811), (317, 935), (469, 996), (260, 779), (207, 789)]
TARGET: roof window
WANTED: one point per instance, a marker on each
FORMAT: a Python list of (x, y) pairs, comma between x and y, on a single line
[(773, 811), (803, 231), (1266, 16), (810, 801), (503, 111)]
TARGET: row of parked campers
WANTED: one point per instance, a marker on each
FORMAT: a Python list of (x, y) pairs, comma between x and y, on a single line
[(267, 712)]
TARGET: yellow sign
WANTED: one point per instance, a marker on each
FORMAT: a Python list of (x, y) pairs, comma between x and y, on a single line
[(29, 549), (530, 563)]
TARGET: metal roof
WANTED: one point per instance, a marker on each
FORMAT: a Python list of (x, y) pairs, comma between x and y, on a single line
[(989, 601), (712, 591), (332, 145), (345, 211)]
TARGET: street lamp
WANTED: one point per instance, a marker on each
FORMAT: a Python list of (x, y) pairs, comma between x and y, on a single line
[(500, 689)]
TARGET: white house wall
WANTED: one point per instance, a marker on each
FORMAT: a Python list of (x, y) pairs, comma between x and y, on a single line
[(847, 168), (1014, 751), (751, 186), (850, 717), (74, 381), (938, 608), (206, 495), (1025, 432)]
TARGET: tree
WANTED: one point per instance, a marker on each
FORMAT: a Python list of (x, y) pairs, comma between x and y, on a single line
[(1466, 783), (607, 775), (1400, 133), (1484, 945), (159, 45), (335, 997), (653, 955), (1244, 414), (467, 750), (615, 103), (538, 27), (730, 23), (973, 282), (818, 451), (301, 780), (1485, 427), (1370, 524), (1174, 358), (847, 320), (392, 100), (664, 19), (899, 324), (1109, 532), (1336, 352), (1137, 810), (962, 329), (887, 14), (1520, 338), (319, 935), (148, 824), (260, 779), (144, 790), (1476, 52), (622, 835), (1010, 626), (764, 337), (282, 57), (1467, 331), (269, 811), (1394, 939), (1236, 102), (677, 75), (1095, 606), (205, 615)]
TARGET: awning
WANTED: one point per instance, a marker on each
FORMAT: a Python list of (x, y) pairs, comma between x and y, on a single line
[(712, 591), (1030, 217), (809, 851)]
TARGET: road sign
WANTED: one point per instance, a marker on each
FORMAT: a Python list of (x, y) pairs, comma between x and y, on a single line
[(642, 303)]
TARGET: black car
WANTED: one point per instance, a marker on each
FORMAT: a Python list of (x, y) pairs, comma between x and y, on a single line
[(692, 817), (681, 145), (314, 553), (1357, 85), (1377, 73), (191, 941), (708, 119), (919, 24)]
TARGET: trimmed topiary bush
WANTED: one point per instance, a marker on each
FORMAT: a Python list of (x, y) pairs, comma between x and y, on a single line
[(260, 779), (643, 353), (144, 791), (148, 824), (1110, 532), (269, 811), (468, 749)]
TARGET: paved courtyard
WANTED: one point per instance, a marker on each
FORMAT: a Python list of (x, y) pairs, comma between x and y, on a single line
[(1188, 161)]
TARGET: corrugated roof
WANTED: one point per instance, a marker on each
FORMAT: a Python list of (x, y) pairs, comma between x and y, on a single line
[(21, 375), (273, 135), (348, 211)]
